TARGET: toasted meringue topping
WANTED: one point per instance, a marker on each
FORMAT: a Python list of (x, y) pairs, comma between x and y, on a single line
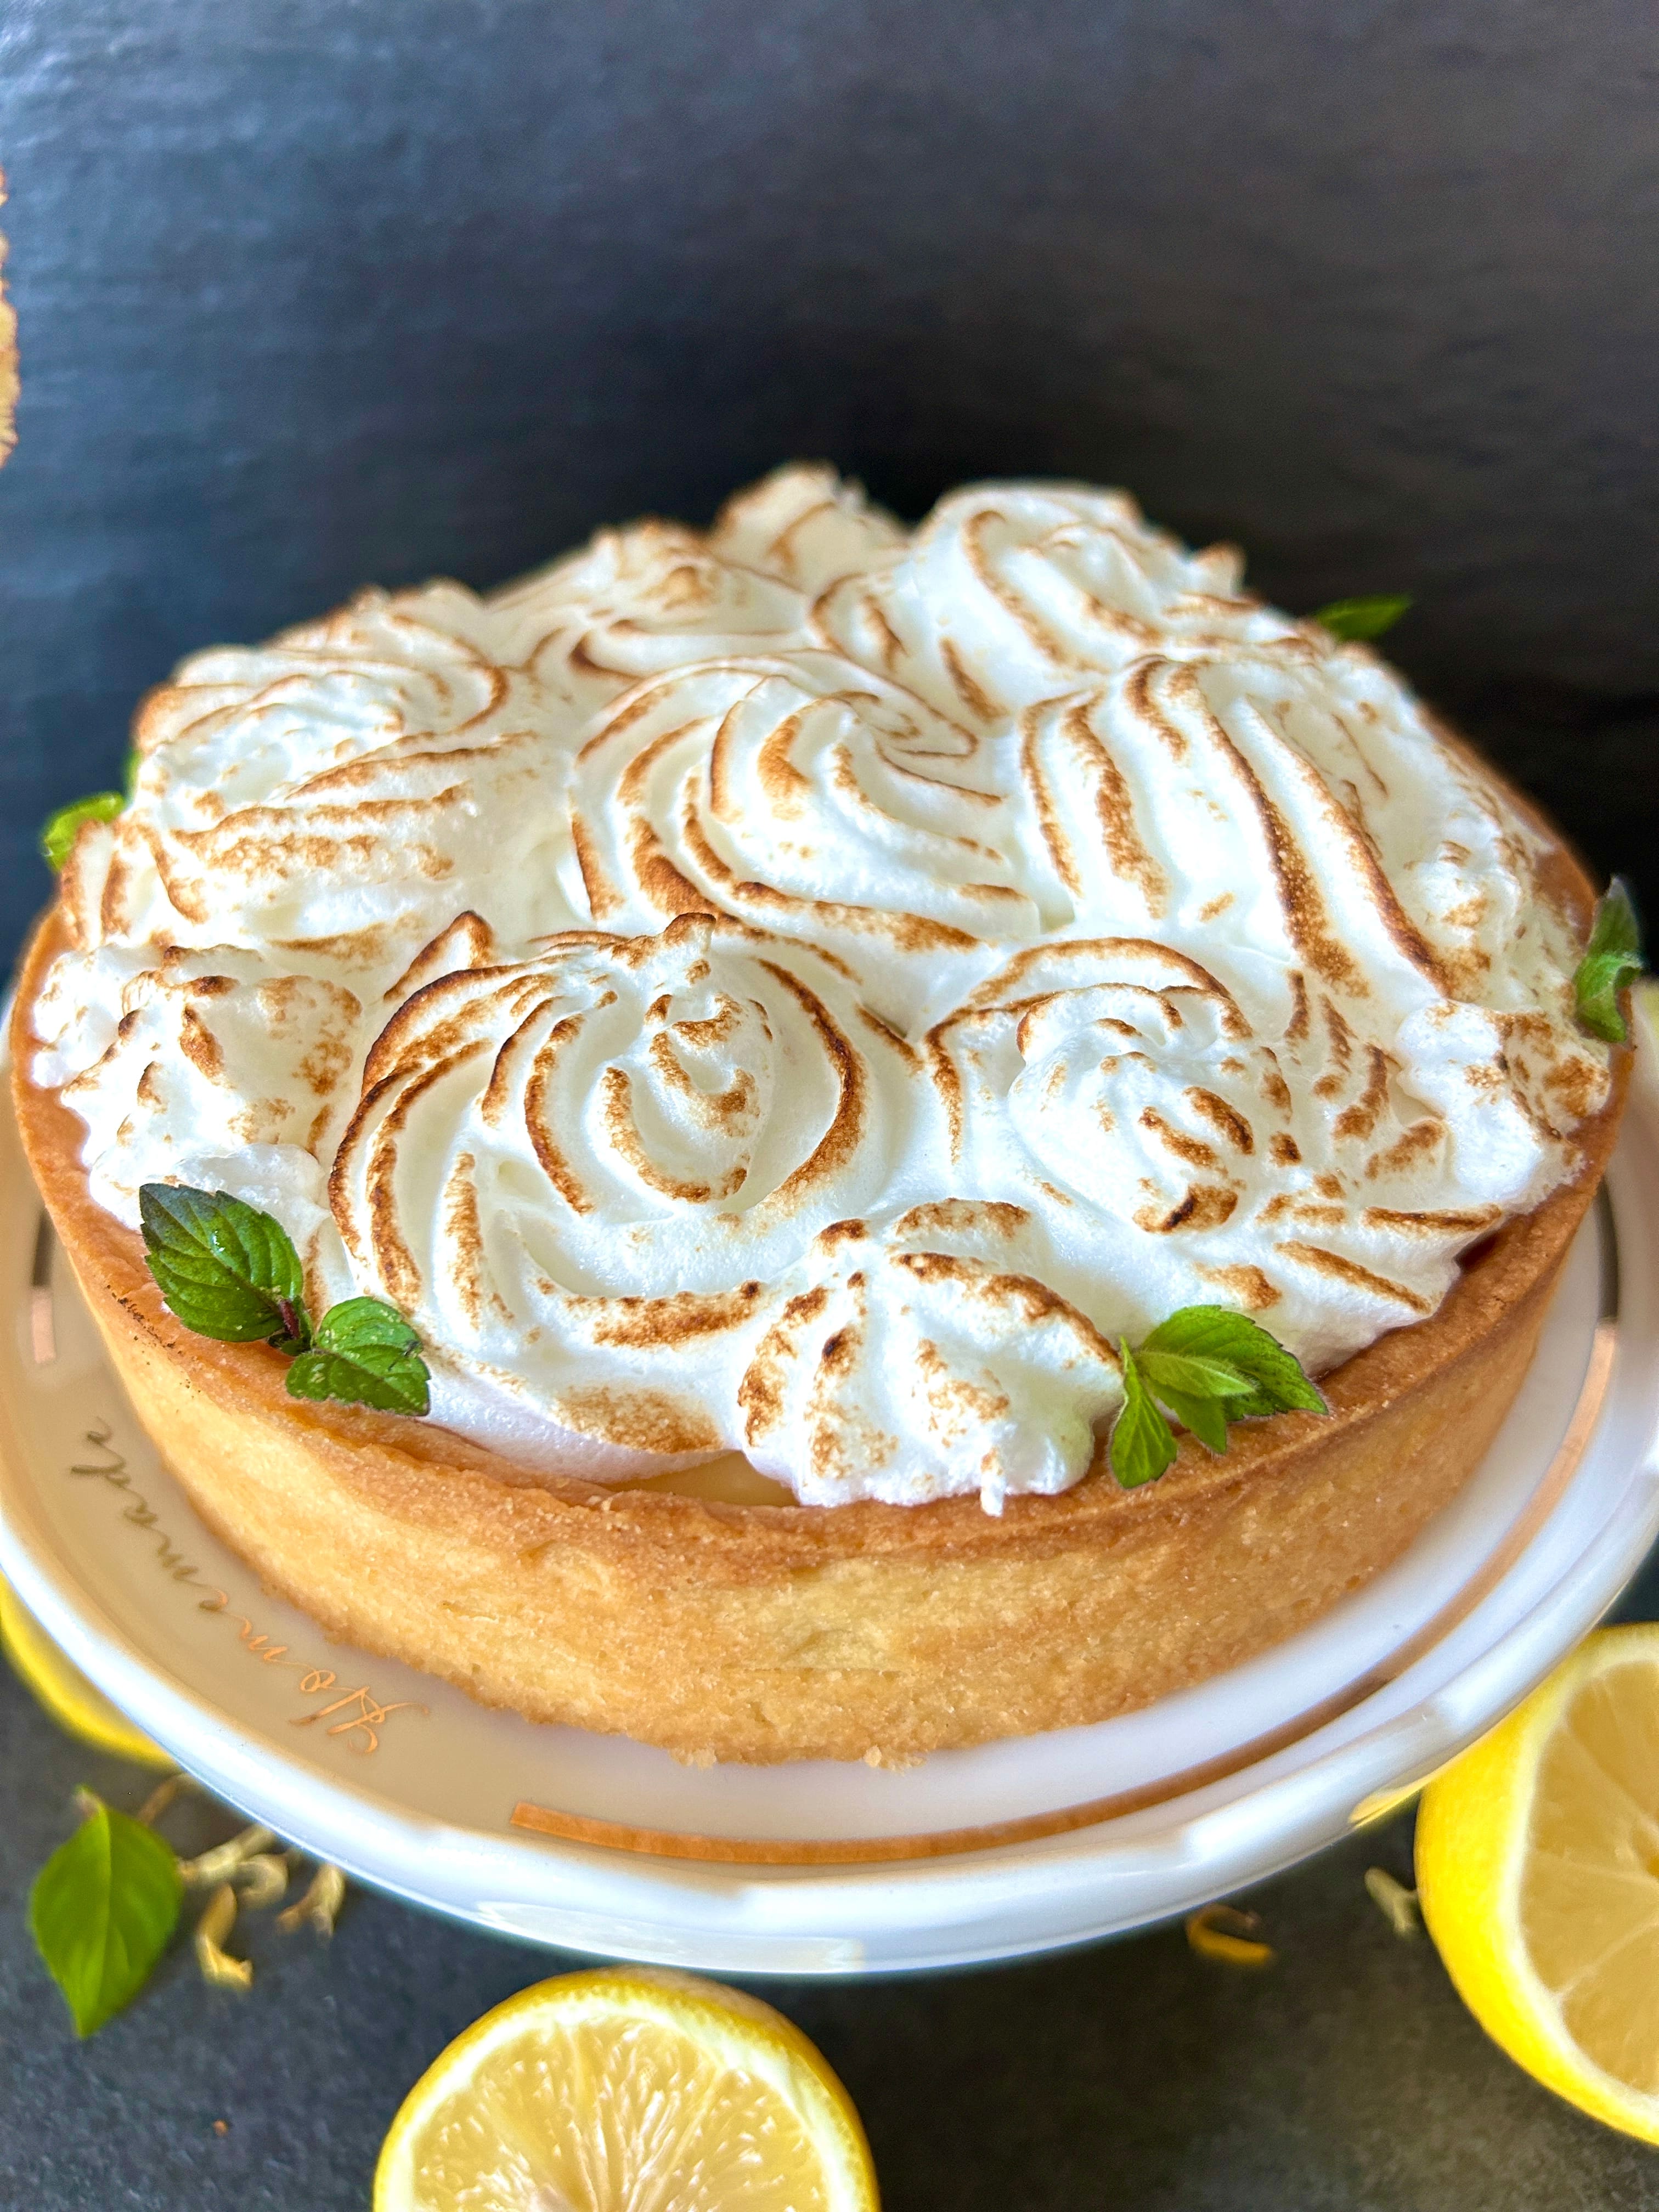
[(917, 1357), (583, 1175), (810, 989), (213, 1068), (339, 795), (813, 799)]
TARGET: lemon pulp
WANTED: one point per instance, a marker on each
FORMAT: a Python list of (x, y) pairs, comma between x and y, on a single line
[(1538, 1869), (1590, 1885), (609, 2091)]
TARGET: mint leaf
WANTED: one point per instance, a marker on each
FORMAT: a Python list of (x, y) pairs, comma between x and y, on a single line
[(365, 1353), (1203, 1395), (1208, 1365), (1191, 1373), (1207, 1418), (1363, 618), (229, 1271), (225, 1269), (1597, 987), (1611, 959), (1142, 1445), (1615, 928), (57, 838), (102, 1911), (1219, 1334)]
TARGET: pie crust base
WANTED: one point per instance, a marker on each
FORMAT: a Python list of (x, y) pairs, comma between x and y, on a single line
[(764, 1632)]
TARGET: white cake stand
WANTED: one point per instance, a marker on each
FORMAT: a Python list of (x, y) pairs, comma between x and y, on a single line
[(598, 1844)]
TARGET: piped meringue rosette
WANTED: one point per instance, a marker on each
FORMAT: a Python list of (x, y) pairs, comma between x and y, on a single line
[(811, 990)]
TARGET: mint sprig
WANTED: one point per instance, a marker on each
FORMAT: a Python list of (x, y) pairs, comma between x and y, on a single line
[(1366, 618), (230, 1271), (364, 1351), (227, 1270), (1209, 1366), (1611, 959), (61, 830), (1233, 1341), (101, 1911), (1142, 1443)]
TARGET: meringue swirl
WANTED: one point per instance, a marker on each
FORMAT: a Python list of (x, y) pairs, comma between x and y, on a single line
[(638, 602), (214, 1069), (814, 799), (809, 989), (1011, 593), (919, 1357), (338, 795), (567, 1168)]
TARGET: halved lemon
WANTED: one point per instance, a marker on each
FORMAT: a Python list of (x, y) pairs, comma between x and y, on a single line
[(65, 1691), (1538, 1874), (625, 2088)]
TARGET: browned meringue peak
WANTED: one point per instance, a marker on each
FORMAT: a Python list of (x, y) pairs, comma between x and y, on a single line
[(1302, 811), (212, 1067), (638, 600), (339, 794), (1313, 1170), (815, 799), (656, 595), (1237, 789), (808, 526), (347, 873), (468, 942), (581, 1174), (1011, 593), (918, 1356), (421, 668)]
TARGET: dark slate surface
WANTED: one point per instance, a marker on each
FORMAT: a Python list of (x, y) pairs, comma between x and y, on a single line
[(326, 291)]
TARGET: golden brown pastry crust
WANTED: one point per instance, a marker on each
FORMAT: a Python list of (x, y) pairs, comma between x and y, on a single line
[(769, 1632)]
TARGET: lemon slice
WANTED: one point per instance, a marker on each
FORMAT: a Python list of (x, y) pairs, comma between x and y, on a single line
[(624, 2089), (1538, 1874), (65, 1691)]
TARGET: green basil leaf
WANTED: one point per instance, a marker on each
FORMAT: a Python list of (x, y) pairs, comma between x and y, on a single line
[(1611, 959), (102, 1911), (1206, 1418), (1363, 618), (57, 837), (227, 1270), (1219, 1333), (1142, 1444), (365, 1353)]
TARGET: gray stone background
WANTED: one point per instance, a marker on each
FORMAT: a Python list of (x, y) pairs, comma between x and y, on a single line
[(333, 291)]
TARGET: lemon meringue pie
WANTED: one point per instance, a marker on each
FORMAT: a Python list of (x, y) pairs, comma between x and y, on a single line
[(777, 1009)]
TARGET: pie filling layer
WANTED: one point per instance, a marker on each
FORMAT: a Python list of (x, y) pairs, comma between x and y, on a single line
[(809, 990)]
